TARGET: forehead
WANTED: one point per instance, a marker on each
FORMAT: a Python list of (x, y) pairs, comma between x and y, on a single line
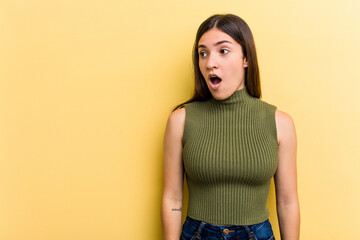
[(213, 36)]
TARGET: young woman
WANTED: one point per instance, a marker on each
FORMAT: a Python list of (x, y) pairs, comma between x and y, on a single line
[(228, 143)]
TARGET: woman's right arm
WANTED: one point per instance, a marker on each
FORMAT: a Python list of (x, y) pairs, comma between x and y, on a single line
[(173, 176)]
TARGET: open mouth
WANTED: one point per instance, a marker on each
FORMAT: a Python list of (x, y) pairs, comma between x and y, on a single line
[(214, 81)]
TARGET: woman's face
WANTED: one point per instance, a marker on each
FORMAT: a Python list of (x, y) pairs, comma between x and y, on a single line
[(221, 63)]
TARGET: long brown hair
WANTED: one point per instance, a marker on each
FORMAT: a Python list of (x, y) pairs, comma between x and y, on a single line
[(238, 29)]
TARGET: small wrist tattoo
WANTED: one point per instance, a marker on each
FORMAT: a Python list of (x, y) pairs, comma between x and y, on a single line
[(176, 209)]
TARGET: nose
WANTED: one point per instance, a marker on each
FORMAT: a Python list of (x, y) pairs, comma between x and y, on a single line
[(211, 61)]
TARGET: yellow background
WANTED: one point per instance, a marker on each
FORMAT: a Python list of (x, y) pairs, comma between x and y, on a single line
[(86, 88)]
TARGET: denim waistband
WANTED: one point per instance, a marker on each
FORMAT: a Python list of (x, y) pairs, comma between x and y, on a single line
[(217, 228)]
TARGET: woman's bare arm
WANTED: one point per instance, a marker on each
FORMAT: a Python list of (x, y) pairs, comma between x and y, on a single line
[(173, 176), (287, 202)]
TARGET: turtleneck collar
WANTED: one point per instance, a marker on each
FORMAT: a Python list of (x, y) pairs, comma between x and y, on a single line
[(239, 96)]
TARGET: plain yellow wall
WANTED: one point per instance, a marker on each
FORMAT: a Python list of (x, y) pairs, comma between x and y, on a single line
[(86, 88)]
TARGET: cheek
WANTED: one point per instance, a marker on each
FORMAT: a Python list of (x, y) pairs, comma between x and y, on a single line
[(238, 70), (202, 68)]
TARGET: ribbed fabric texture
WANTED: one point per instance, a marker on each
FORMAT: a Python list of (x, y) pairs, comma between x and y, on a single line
[(230, 154)]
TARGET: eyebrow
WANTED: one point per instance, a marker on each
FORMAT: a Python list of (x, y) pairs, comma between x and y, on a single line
[(216, 44)]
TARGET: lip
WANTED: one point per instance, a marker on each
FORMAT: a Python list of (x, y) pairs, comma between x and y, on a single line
[(214, 86)]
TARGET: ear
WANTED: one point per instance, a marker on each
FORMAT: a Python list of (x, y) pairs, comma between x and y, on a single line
[(245, 62)]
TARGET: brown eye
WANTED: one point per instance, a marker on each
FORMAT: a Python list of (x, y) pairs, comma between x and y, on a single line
[(224, 51), (202, 54)]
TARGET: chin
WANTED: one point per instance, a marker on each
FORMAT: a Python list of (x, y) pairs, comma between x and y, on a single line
[(219, 96)]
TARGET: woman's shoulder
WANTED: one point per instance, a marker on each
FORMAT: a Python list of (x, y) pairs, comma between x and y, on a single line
[(283, 118), (265, 104), (175, 126), (194, 107), (177, 116), (176, 120), (285, 125)]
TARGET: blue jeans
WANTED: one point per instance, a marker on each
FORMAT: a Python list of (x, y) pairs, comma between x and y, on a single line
[(193, 229)]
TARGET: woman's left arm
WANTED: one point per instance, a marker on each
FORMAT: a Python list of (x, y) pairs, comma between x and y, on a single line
[(285, 178)]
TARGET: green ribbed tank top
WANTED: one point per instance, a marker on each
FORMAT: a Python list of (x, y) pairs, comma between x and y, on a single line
[(230, 154)]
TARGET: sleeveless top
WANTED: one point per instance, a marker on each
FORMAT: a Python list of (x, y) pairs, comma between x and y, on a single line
[(230, 154)]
